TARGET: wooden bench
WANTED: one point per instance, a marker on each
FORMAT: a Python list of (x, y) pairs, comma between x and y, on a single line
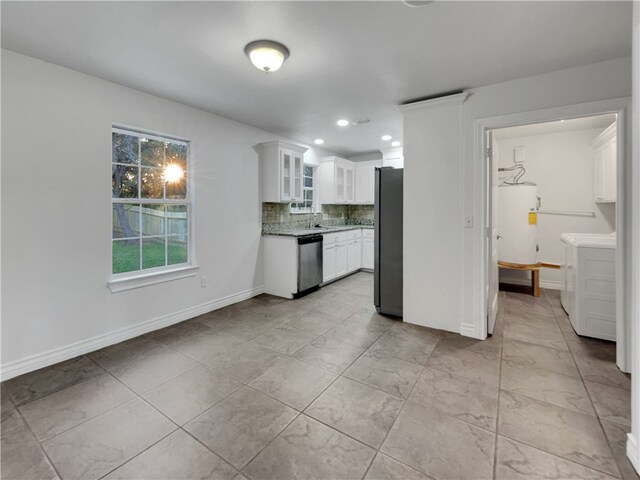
[(535, 272)]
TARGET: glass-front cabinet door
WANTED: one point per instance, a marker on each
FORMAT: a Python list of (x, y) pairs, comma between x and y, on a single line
[(282, 171), (349, 182), (286, 174), (291, 176), (297, 178), (340, 179)]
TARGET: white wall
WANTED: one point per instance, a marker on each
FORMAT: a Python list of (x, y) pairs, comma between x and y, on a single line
[(448, 293), (432, 204), (561, 165), (56, 212), (366, 157), (633, 441)]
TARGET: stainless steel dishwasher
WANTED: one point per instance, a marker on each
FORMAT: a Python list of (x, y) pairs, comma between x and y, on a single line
[(309, 264)]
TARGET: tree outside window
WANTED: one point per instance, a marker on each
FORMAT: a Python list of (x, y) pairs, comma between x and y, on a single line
[(308, 190), (150, 202)]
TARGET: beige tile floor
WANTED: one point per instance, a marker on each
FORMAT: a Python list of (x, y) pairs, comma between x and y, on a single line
[(324, 388)]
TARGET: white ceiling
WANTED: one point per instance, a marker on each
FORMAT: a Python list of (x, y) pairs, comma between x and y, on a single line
[(348, 59), (567, 125)]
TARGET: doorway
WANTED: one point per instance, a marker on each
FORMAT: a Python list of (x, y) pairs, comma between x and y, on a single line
[(515, 145)]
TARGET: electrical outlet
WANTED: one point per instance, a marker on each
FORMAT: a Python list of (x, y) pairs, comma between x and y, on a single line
[(468, 222), (203, 282)]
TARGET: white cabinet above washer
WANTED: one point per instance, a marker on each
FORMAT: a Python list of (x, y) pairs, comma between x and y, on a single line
[(605, 161)]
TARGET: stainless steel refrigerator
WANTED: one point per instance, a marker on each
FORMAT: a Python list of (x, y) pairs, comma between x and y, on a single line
[(388, 241)]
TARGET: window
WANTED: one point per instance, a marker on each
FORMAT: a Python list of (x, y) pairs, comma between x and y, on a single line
[(308, 185), (150, 203)]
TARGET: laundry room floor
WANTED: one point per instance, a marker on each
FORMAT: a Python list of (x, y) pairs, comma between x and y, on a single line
[(323, 387)]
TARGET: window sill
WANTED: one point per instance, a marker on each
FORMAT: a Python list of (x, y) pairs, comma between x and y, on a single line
[(146, 279)]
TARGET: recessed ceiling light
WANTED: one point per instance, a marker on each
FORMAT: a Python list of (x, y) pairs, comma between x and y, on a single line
[(386, 138), (266, 55), (342, 122), (395, 144), (318, 141)]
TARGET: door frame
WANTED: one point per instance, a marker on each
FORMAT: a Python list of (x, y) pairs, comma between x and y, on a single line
[(491, 239), (621, 107)]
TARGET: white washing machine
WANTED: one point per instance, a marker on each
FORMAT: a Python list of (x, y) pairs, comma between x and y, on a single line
[(589, 291)]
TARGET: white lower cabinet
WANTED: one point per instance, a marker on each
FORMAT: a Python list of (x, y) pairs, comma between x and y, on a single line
[(280, 265), (341, 259), (346, 252), (342, 253), (329, 262), (354, 255), (367, 253)]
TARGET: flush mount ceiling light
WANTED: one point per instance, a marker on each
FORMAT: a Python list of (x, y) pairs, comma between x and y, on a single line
[(342, 123), (417, 3), (266, 55), (386, 138), (318, 141), (395, 144)]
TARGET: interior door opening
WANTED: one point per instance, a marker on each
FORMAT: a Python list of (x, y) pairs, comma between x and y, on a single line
[(552, 191)]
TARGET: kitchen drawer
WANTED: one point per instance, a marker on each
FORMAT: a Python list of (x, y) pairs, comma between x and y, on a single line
[(353, 234), (367, 233), (329, 238)]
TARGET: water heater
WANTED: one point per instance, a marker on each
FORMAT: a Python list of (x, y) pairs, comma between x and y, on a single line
[(517, 219)]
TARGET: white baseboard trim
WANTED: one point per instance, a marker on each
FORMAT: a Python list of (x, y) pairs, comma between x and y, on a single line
[(543, 284), (468, 330), (35, 362), (551, 285), (632, 451)]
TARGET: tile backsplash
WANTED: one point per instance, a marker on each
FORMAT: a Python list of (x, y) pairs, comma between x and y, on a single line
[(276, 217)]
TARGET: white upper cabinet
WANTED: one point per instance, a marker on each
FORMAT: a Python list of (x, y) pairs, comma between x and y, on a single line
[(605, 177), (282, 165), (343, 181), (350, 184), (392, 157), (337, 180), (365, 184)]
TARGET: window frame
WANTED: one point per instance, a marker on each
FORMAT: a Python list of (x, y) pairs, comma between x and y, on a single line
[(314, 189), (149, 276)]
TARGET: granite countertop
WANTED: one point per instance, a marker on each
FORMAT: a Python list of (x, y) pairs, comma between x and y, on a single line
[(306, 232)]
